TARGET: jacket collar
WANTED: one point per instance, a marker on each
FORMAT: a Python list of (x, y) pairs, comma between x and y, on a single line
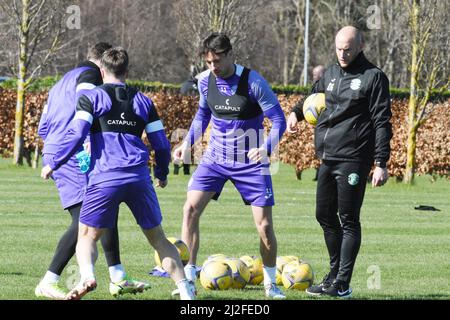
[(356, 64), (88, 63)]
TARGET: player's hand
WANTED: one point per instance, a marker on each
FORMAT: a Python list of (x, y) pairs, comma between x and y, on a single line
[(46, 172), (87, 147), (161, 184), (292, 123), (380, 176), (179, 152), (258, 155)]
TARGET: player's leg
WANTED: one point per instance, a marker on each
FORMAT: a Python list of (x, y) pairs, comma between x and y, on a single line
[(206, 184), (186, 169), (143, 202), (99, 212), (87, 255), (170, 261), (255, 186), (351, 180), (256, 189), (66, 245), (170, 258), (268, 249), (326, 215), (176, 168), (195, 203), (110, 244), (268, 242), (70, 183), (48, 286), (121, 282)]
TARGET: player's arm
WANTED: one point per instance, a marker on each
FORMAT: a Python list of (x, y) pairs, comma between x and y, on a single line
[(200, 122), (198, 127), (296, 114), (271, 107), (88, 80), (160, 144), (380, 110), (43, 125), (73, 141)]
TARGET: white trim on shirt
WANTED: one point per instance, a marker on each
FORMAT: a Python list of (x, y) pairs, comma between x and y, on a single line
[(83, 115), (154, 126), (239, 70), (85, 86)]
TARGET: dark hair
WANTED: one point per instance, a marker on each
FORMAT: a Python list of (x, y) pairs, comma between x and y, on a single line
[(217, 43), (95, 52), (115, 61)]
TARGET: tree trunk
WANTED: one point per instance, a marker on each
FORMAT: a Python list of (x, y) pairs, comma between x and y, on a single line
[(411, 155), (413, 100), (35, 162), (20, 104), (286, 55), (18, 131)]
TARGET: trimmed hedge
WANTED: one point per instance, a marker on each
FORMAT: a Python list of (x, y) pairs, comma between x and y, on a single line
[(45, 83), (177, 112)]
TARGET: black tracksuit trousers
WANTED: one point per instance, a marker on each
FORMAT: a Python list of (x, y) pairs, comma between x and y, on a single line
[(340, 193)]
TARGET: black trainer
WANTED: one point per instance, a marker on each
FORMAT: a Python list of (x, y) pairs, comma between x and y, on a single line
[(318, 290), (338, 289)]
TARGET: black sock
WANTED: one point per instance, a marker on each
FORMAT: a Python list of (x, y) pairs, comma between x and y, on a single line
[(67, 244), (110, 244)]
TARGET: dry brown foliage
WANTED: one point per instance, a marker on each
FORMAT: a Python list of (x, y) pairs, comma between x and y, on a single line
[(176, 111)]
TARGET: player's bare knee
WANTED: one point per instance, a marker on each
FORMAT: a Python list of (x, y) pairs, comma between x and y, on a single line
[(155, 237), (168, 264), (95, 233), (89, 232), (265, 229), (190, 212)]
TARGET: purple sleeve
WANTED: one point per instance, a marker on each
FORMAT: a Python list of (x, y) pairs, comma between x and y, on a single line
[(43, 127), (276, 116), (161, 145), (73, 141), (200, 122)]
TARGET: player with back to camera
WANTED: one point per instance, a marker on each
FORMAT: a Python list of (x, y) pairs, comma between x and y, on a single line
[(116, 115), (71, 179)]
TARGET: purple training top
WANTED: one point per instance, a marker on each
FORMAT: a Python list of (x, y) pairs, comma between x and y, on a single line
[(232, 136), (62, 101), (118, 156), (56, 116)]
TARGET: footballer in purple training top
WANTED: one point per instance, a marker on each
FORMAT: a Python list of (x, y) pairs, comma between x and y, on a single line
[(235, 100), (236, 107), (116, 116)]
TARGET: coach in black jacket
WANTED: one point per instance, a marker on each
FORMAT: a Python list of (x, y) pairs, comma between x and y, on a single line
[(352, 134)]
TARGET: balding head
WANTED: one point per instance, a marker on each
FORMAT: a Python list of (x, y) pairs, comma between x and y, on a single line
[(349, 43), (318, 72)]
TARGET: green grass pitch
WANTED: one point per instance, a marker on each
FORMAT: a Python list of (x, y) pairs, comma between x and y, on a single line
[(404, 252)]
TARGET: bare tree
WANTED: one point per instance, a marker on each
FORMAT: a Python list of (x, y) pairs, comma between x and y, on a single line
[(37, 28), (146, 29), (393, 39), (6, 52), (162, 36), (197, 18), (288, 27), (429, 58)]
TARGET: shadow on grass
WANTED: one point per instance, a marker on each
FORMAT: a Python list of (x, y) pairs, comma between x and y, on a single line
[(11, 273)]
